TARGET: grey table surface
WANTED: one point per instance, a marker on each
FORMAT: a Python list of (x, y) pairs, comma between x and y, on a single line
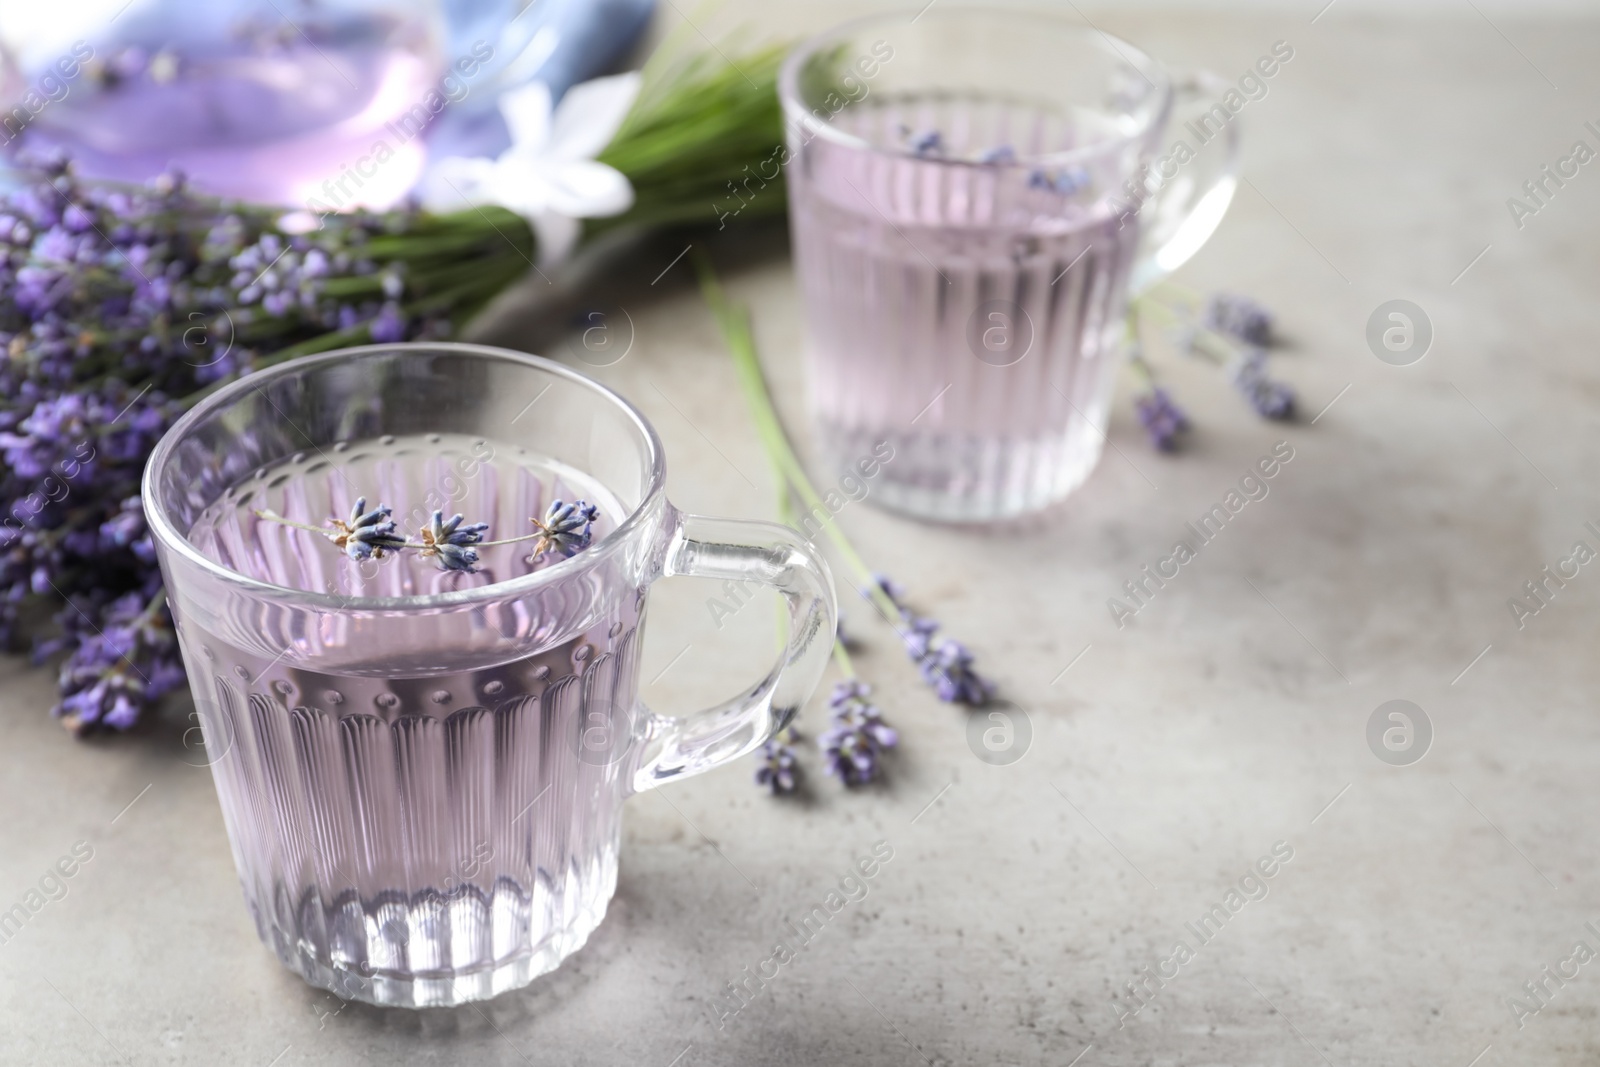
[(1230, 716)]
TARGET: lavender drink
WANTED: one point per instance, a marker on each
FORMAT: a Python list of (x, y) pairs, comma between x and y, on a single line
[(406, 813), (969, 315), (282, 103), (971, 198), (421, 756)]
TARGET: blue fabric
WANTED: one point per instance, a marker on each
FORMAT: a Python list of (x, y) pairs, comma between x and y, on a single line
[(558, 42)]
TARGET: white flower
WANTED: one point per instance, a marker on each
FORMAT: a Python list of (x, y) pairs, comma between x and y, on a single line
[(549, 174)]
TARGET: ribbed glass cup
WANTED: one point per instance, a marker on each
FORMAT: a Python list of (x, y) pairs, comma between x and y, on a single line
[(970, 200), (422, 773)]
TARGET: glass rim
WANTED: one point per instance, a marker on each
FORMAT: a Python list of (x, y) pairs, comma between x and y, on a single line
[(164, 531), (1147, 65)]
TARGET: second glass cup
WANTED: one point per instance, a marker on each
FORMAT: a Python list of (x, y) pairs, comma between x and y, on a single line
[(973, 193)]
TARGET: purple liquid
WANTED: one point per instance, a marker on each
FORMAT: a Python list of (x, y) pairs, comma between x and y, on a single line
[(428, 824), (266, 125), (962, 312)]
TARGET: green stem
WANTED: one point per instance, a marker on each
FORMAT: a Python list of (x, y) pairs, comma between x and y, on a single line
[(1182, 292), (273, 516), (734, 322), (1208, 343), (841, 655), (842, 658)]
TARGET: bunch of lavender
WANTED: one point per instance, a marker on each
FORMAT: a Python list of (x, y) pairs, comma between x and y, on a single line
[(121, 306)]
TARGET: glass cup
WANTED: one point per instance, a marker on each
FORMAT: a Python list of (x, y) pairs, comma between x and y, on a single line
[(972, 195), (422, 773), (305, 103)]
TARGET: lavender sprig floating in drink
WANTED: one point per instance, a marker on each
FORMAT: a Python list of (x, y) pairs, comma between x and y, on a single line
[(1062, 182), (565, 530), (925, 143)]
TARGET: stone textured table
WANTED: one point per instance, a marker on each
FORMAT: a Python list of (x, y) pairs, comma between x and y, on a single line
[(1166, 758)]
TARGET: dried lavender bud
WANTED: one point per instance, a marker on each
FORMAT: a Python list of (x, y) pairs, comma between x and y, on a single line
[(565, 528), (1063, 183), (779, 769), (1162, 419), (853, 746), (1270, 399), (946, 666), (449, 542), (948, 669), (1239, 317), (367, 534)]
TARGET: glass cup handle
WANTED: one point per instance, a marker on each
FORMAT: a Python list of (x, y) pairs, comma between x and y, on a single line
[(763, 553), (1190, 193)]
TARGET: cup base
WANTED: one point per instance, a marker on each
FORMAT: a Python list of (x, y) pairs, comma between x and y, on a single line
[(446, 988), (966, 482)]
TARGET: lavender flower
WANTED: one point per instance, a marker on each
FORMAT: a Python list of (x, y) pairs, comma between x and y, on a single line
[(449, 542), (1063, 183), (1270, 399), (918, 636), (779, 769), (1162, 419), (945, 665), (997, 155), (124, 657), (854, 744), (367, 534), (927, 143), (1239, 317), (948, 669), (566, 528), (390, 325), (127, 529)]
